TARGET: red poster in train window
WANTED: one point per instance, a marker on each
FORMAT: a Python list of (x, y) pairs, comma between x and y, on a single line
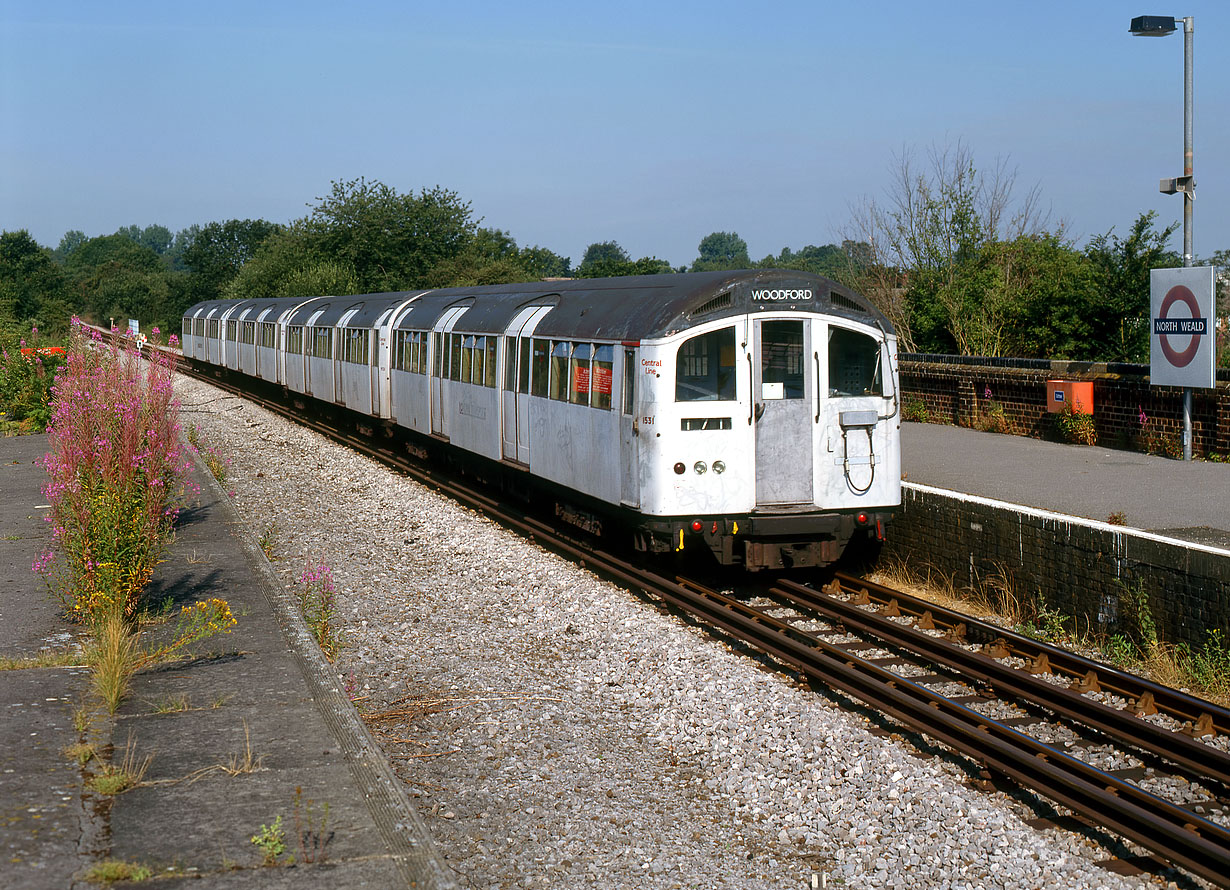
[(580, 379), (602, 380)]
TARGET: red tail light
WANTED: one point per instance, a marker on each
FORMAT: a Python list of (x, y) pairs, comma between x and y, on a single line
[(861, 519), (697, 525)]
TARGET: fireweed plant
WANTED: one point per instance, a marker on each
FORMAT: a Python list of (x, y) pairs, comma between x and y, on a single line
[(116, 473), (116, 479)]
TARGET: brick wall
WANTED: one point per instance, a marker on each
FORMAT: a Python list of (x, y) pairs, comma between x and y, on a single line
[(1082, 568), (1009, 395)]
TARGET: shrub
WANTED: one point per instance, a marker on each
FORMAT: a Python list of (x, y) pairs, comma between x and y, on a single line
[(27, 369)]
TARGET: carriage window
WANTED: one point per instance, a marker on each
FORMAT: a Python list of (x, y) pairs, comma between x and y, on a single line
[(478, 370), (268, 335), (781, 359), (705, 370), (456, 342), (629, 381), (581, 359), (247, 332), (213, 329), (489, 379), (559, 370), (600, 382), (510, 364), (418, 352), (354, 346), (294, 340), (523, 379), (538, 382), (322, 342), (854, 364), (467, 358), (187, 327), (230, 329)]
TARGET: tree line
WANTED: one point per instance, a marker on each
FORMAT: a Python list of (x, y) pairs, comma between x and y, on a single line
[(956, 259)]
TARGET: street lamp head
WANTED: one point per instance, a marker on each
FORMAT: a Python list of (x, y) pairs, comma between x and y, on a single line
[(1152, 25)]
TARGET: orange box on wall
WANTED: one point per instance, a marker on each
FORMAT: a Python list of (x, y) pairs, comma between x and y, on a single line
[(1078, 394)]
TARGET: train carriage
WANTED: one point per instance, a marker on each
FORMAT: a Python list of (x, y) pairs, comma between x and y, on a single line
[(753, 414)]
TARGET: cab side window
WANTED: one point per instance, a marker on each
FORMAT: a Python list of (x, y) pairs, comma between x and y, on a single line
[(854, 364)]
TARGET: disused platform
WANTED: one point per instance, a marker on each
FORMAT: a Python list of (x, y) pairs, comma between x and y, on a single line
[(254, 727)]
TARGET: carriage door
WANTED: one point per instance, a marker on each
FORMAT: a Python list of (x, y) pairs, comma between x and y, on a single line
[(629, 433), (515, 396), (441, 368), (783, 394)]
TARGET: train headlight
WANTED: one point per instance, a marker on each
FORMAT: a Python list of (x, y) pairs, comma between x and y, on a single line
[(700, 467), (719, 467), (680, 469)]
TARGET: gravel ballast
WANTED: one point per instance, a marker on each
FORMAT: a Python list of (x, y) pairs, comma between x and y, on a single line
[(560, 732)]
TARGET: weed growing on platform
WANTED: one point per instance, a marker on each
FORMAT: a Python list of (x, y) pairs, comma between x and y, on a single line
[(217, 465), (59, 658), (116, 474), (113, 779), (311, 829), (318, 603), (991, 416), (81, 752), (110, 871), (268, 540), (1076, 427), (915, 410), (271, 841)]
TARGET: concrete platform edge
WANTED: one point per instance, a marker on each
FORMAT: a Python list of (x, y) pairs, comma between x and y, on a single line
[(409, 843)]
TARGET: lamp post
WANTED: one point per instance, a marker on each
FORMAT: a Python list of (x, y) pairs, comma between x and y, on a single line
[(1162, 26)]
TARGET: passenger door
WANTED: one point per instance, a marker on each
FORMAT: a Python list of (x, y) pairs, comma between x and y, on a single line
[(515, 397), (440, 368), (629, 433), (783, 415)]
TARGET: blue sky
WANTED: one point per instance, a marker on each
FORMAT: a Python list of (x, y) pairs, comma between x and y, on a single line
[(565, 123)]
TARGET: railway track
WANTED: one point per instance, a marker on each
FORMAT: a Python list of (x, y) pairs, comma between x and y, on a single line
[(895, 653)]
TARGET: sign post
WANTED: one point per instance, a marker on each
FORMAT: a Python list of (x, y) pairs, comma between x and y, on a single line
[(1182, 349)]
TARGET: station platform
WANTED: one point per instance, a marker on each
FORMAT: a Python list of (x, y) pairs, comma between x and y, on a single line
[(1185, 501), (252, 728)]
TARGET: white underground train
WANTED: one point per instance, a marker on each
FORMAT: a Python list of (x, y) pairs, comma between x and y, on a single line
[(751, 413)]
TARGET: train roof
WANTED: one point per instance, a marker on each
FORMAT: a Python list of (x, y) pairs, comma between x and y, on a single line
[(629, 308)]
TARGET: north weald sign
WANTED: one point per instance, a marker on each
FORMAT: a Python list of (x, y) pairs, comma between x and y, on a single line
[(1182, 351)]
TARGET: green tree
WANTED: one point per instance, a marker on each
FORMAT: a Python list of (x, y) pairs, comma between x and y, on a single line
[(1119, 315), (115, 277), (828, 260), (32, 286), (602, 253), (72, 239), (157, 238), (279, 257), (214, 253), (391, 240), (721, 250), (542, 263)]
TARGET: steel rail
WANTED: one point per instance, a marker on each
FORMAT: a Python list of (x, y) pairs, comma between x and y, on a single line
[(1194, 758), (1147, 696)]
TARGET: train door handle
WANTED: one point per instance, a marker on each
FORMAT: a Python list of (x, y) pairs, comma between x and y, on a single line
[(759, 410)]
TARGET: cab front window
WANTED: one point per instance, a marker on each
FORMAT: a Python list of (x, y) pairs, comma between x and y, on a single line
[(705, 368)]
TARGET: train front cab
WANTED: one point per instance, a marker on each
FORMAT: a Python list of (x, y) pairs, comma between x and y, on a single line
[(769, 438)]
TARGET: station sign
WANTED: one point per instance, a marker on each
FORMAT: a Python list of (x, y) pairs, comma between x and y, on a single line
[(1182, 338)]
